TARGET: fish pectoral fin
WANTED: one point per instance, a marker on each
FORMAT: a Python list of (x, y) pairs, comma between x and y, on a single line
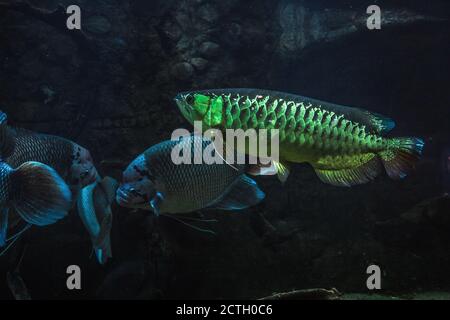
[(3, 226), (242, 194), (44, 198), (360, 174), (282, 169), (266, 168), (156, 202)]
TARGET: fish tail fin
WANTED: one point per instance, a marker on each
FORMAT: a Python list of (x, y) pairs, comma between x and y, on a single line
[(7, 140), (104, 252), (41, 195), (400, 158)]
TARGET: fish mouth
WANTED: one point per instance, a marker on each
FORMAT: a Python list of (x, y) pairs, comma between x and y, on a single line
[(124, 199), (93, 176), (179, 100), (185, 108)]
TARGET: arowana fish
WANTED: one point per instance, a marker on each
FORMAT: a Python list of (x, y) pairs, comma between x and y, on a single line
[(345, 145)]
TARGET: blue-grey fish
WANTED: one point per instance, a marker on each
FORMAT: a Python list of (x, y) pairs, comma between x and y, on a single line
[(34, 190), (94, 208), (72, 162), (154, 182)]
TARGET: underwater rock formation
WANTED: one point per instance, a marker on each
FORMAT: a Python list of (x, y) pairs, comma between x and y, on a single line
[(303, 27)]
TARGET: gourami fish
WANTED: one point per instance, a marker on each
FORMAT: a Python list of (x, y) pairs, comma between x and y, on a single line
[(154, 182), (33, 190), (72, 162), (345, 145), (94, 208), (67, 159)]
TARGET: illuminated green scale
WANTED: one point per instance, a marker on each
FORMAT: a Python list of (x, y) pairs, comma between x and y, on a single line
[(343, 144), (304, 125)]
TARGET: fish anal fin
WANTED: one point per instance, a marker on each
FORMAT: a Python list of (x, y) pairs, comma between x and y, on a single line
[(359, 174), (242, 194)]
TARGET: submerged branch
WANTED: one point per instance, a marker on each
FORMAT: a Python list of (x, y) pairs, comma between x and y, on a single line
[(308, 294)]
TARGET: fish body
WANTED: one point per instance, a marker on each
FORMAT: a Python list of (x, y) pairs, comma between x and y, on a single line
[(33, 190), (345, 145), (154, 182), (94, 208), (72, 162)]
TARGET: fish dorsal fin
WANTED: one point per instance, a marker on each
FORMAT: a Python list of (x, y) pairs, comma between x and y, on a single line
[(7, 139), (242, 194), (374, 122), (379, 123)]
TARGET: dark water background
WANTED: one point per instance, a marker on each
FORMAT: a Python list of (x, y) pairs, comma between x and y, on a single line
[(113, 94)]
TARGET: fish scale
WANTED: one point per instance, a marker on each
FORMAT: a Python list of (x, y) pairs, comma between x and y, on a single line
[(5, 182), (187, 183), (298, 122), (53, 151)]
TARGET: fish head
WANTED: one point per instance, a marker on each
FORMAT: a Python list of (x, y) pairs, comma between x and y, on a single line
[(201, 106), (82, 170), (137, 187)]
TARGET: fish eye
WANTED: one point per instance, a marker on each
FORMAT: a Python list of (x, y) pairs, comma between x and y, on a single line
[(190, 99), (84, 174)]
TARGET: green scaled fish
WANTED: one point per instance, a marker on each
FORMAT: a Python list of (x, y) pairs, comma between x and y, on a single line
[(346, 146)]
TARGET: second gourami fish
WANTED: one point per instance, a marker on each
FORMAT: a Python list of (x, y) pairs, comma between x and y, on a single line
[(33, 190), (154, 182), (94, 208)]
